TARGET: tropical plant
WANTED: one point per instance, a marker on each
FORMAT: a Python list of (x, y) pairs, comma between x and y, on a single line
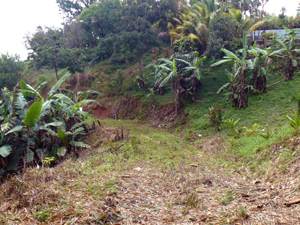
[(295, 123), (251, 131), (240, 65), (288, 51), (259, 66), (194, 22), (184, 69), (232, 125), (33, 128), (216, 116)]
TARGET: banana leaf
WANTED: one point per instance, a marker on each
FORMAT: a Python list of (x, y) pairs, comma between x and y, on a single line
[(28, 91), (57, 85), (33, 114), (5, 150), (79, 144)]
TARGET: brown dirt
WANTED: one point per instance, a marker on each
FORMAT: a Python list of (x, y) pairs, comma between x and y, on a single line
[(102, 112)]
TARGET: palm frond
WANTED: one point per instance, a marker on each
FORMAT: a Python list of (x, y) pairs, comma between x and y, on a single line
[(255, 26)]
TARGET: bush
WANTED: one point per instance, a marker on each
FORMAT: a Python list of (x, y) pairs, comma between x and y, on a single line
[(216, 116), (233, 45), (116, 59), (184, 45), (41, 79)]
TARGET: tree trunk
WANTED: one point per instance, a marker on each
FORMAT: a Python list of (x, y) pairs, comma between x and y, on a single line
[(153, 103), (140, 68), (289, 71), (177, 95), (56, 73), (195, 82), (242, 91), (57, 78), (162, 90)]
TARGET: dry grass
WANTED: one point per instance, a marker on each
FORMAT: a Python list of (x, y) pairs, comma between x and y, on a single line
[(127, 186)]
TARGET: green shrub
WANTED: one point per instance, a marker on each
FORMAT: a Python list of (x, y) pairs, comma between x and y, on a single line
[(42, 78), (216, 116), (184, 44), (116, 59)]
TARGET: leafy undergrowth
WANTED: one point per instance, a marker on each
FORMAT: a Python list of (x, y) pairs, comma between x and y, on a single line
[(155, 177)]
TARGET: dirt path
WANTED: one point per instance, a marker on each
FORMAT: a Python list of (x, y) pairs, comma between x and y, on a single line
[(199, 195)]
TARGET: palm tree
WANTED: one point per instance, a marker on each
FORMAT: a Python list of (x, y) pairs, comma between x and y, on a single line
[(194, 22)]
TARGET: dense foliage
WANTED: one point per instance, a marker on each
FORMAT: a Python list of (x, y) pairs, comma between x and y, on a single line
[(10, 70), (34, 129)]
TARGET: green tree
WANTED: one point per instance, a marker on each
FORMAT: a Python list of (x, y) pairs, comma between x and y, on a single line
[(49, 50), (137, 37), (100, 20), (10, 70), (72, 8)]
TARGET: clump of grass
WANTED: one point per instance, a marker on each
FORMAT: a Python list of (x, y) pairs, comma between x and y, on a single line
[(227, 198)]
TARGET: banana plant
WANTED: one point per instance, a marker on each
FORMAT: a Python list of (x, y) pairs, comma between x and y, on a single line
[(32, 126), (259, 66), (240, 67), (288, 51), (194, 68)]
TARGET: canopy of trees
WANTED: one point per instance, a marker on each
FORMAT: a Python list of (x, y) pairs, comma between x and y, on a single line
[(10, 70)]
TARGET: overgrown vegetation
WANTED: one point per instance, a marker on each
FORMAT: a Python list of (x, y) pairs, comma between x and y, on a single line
[(34, 129)]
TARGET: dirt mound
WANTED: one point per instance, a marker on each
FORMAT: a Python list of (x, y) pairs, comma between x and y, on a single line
[(105, 135)]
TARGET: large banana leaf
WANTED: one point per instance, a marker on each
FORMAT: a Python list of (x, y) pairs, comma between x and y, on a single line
[(66, 110), (48, 130), (46, 107), (29, 156), (199, 61), (56, 86), (80, 130), (282, 44), (33, 114), (7, 100), (41, 85), (76, 107), (27, 91), (79, 124), (277, 52), (15, 129), (18, 104), (54, 124), (5, 150), (221, 62), (64, 99), (62, 136)]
